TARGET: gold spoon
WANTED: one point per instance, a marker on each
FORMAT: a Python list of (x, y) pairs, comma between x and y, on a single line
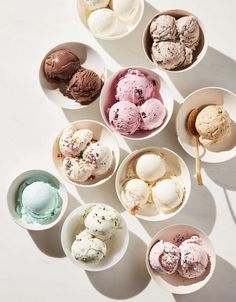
[(193, 131)]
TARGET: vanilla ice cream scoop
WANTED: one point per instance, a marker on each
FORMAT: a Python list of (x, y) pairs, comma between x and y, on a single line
[(102, 221), (103, 22), (150, 167), (135, 194), (87, 248), (213, 124), (189, 31), (193, 258), (168, 194), (164, 257), (77, 170), (163, 28), (125, 9), (73, 141), (94, 4)]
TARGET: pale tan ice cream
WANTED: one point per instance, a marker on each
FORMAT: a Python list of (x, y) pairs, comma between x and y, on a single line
[(213, 124), (189, 31), (163, 28)]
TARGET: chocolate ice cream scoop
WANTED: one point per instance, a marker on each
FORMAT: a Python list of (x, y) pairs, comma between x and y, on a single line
[(61, 65), (84, 85)]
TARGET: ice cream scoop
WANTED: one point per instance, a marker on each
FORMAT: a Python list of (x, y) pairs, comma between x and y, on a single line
[(213, 125), (188, 31), (38, 201), (103, 22), (84, 85), (152, 113), (171, 55), (100, 156), (150, 167), (125, 9), (164, 257), (124, 117), (135, 194), (87, 248), (102, 221), (61, 65), (73, 141), (77, 169), (94, 4), (135, 87), (168, 193), (193, 258), (163, 28)]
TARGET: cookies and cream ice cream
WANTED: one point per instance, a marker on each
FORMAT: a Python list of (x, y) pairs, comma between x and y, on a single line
[(213, 124), (188, 31), (163, 28)]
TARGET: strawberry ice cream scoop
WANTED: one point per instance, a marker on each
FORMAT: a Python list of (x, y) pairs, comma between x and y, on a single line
[(152, 113), (124, 117), (193, 258), (135, 87), (164, 257)]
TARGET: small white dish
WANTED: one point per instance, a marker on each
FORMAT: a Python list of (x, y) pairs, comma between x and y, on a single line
[(176, 166), (12, 197), (89, 58), (100, 133), (125, 28), (107, 99), (116, 246), (175, 283), (219, 152)]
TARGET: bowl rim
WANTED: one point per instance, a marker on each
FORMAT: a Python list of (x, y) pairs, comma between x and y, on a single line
[(111, 79), (202, 52), (76, 212), (117, 37), (153, 240), (13, 186), (103, 180), (187, 99), (128, 159)]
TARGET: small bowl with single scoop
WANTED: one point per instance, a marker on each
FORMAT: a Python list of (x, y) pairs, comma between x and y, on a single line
[(217, 152)]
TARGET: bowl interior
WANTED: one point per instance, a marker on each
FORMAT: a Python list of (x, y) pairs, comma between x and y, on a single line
[(125, 28), (107, 99), (175, 283), (176, 166), (116, 246), (12, 196), (211, 95), (89, 59), (198, 53), (100, 133)]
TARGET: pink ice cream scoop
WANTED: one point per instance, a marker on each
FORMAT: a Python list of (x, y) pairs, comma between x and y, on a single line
[(164, 257), (135, 87), (152, 113), (124, 117), (193, 258)]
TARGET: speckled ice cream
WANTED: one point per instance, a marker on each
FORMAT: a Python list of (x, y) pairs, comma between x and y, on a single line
[(77, 170), (163, 28)]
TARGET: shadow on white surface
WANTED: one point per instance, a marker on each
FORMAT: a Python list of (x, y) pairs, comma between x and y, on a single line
[(124, 281), (128, 51), (216, 69), (221, 286), (49, 241)]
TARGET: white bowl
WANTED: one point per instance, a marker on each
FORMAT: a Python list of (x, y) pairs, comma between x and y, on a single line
[(107, 99), (176, 166), (125, 28), (219, 152), (100, 133), (89, 58), (200, 51), (175, 283), (12, 196), (116, 246)]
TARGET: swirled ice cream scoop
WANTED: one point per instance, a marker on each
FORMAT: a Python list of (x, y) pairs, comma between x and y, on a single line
[(164, 257), (163, 28), (102, 221), (87, 248), (188, 31)]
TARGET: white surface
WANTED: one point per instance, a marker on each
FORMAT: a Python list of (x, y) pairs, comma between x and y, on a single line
[(33, 266)]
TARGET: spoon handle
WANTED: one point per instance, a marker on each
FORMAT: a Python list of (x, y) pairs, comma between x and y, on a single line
[(198, 165)]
